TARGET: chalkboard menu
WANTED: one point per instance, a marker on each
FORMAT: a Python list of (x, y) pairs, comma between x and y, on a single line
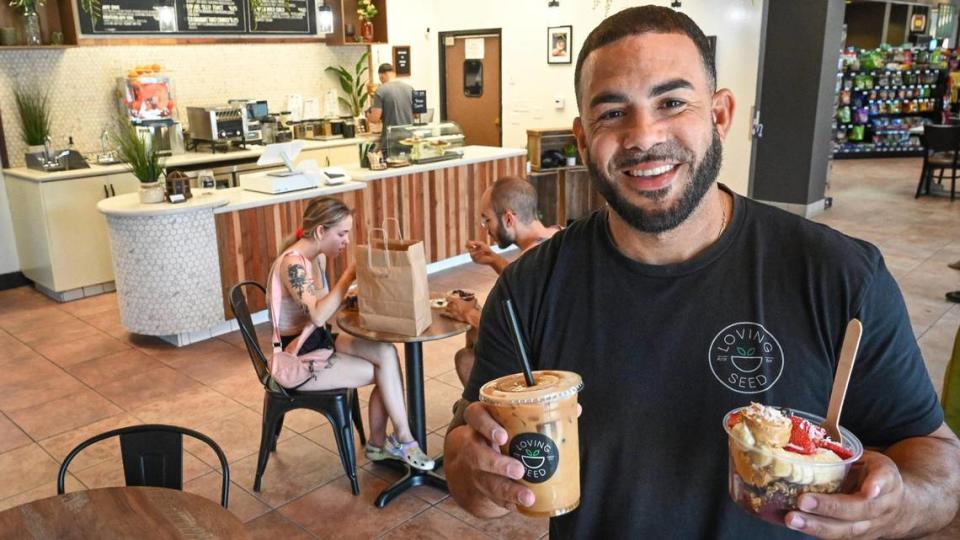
[(211, 16), (197, 17)]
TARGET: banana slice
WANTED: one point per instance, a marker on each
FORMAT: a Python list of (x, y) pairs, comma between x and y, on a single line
[(781, 468)]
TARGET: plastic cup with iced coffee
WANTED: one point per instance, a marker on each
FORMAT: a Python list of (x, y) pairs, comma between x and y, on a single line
[(541, 425), (778, 454)]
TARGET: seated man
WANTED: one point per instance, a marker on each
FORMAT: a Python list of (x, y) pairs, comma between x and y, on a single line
[(508, 211)]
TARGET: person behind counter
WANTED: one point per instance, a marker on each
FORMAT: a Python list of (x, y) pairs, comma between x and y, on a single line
[(392, 103), (356, 362)]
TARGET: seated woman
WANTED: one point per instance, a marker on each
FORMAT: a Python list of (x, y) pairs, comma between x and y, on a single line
[(356, 362)]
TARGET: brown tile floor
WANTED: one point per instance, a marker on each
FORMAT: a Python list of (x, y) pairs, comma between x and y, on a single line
[(71, 370)]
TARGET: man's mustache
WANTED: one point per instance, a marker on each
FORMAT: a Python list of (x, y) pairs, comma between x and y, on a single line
[(670, 151)]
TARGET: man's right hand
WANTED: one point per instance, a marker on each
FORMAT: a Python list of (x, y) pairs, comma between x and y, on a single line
[(481, 253), (480, 478)]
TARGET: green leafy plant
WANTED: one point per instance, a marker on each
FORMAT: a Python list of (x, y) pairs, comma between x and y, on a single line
[(366, 10), (353, 85), (142, 158), (93, 8), (34, 116), (27, 6), (570, 150)]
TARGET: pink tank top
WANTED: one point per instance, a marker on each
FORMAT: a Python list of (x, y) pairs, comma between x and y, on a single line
[(293, 315)]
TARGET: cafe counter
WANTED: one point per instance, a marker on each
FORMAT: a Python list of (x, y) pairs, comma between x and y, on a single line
[(174, 264)]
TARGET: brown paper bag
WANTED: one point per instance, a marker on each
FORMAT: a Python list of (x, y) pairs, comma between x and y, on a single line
[(392, 288)]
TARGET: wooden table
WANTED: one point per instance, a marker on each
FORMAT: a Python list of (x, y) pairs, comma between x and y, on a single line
[(121, 512), (351, 322)]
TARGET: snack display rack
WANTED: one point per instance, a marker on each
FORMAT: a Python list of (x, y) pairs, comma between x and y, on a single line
[(881, 94)]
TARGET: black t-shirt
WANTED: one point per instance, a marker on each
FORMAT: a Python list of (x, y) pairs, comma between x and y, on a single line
[(666, 351)]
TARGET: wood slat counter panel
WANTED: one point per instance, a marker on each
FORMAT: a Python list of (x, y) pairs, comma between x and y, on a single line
[(441, 207)]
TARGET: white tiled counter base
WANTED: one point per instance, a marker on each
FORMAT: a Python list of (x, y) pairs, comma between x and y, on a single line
[(168, 274)]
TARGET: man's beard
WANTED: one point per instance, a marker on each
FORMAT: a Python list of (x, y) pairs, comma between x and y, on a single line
[(650, 221), (503, 237)]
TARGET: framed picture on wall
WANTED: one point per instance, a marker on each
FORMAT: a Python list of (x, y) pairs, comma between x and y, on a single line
[(401, 60), (559, 44)]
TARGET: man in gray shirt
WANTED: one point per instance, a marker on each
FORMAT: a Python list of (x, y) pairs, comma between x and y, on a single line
[(392, 102)]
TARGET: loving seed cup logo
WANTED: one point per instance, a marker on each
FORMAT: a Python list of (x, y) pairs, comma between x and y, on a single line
[(539, 455), (746, 358)]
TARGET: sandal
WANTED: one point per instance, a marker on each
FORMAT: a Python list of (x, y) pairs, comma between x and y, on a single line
[(377, 453), (410, 453)]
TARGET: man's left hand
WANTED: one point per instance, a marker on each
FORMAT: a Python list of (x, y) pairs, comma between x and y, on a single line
[(459, 309), (871, 512)]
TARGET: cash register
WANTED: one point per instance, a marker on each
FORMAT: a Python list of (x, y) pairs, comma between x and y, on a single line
[(290, 178)]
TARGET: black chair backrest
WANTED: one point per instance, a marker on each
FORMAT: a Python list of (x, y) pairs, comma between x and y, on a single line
[(152, 456), (941, 138), (238, 304)]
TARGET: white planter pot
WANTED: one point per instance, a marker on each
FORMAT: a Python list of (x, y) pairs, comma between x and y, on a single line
[(571, 162), (151, 193)]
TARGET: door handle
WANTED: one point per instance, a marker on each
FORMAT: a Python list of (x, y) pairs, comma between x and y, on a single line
[(106, 194), (496, 122), (113, 192)]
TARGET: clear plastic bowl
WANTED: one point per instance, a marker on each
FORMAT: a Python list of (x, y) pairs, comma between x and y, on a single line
[(767, 482)]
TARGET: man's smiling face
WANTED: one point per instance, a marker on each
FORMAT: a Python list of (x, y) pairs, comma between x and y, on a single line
[(647, 128)]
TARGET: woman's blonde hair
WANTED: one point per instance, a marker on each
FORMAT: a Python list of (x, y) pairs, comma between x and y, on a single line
[(325, 211)]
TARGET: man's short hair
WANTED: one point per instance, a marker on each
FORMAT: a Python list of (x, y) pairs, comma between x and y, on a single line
[(385, 68), (515, 194), (642, 20)]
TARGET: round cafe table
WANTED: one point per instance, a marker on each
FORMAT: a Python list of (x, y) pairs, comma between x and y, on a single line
[(121, 512), (351, 322)]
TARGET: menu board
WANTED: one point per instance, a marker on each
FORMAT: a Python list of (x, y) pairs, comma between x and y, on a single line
[(196, 17), (284, 17), (212, 16)]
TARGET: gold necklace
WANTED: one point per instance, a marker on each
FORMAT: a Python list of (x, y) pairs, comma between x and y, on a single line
[(723, 219)]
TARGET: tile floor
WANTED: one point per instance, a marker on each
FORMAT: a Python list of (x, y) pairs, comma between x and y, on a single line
[(71, 370)]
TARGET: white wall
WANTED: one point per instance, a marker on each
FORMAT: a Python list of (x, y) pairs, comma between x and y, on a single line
[(530, 84)]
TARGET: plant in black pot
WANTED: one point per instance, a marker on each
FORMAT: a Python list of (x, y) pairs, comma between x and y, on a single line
[(354, 86), (143, 160), (34, 112)]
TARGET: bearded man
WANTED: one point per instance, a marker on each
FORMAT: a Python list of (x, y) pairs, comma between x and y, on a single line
[(644, 298)]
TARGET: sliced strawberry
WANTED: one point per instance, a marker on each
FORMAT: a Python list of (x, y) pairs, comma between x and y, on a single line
[(733, 420), (800, 442), (837, 449)]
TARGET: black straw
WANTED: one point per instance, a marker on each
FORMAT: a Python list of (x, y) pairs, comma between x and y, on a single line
[(518, 342)]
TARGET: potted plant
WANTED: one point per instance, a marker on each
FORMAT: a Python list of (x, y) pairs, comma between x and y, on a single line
[(143, 159), (366, 11), (34, 112), (353, 84), (31, 22), (570, 152)]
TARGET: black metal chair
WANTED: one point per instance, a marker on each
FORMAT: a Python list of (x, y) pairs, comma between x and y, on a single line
[(340, 406), (941, 148), (152, 456)]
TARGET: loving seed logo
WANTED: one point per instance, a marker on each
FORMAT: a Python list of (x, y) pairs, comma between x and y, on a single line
[(539, 455), (746, 358)]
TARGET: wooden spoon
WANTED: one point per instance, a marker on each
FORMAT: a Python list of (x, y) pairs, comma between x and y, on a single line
[(848, 354)]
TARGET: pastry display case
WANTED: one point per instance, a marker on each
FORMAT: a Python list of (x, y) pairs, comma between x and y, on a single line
[(423, 143)]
